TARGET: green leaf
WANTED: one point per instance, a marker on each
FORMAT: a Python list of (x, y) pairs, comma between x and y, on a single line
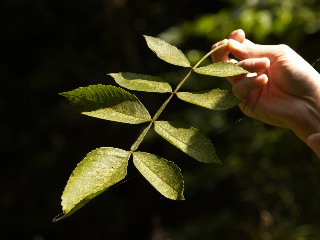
[(141, 82), (99, 170), (188, 139), (167, 52), (163, 175), (214, 99), (109, 103), (221, 69)]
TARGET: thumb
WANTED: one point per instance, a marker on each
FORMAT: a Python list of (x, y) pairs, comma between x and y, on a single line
[(313, 142), (248, 49)]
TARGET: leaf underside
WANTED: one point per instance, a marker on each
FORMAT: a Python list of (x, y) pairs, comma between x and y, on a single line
[(163, 175), (221, 69), (188, 139), (141, 82), (99, 170), (108, 103), (167, 52), (214, 99)]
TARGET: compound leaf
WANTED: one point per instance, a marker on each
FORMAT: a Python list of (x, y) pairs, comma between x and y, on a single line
[(99, 170), (221, 69), (214, 99), (163, 175), (141, 82), (188, 139), (109, 103), (167, 52)]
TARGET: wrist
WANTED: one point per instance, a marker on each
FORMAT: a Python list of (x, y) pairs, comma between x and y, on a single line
[(307, 121), (310, 125)]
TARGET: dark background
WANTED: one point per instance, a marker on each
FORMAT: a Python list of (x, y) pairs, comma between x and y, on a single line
[(268, 184)]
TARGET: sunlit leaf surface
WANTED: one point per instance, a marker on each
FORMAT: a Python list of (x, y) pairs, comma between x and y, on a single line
[(188, 139), (109, 103), (167, 52), (99, 170), (141, 82), (163, 175), (221, 69), (215, 99)]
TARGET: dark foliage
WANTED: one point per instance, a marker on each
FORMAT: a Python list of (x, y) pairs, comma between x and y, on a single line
[(266, 188)]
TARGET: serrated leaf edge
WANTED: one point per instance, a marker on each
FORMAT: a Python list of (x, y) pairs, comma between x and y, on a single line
[(185, 64), (171, 163), (170, 141)]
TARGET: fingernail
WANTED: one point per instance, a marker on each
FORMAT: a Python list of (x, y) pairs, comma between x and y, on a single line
[(252, 74), (224, 41), (310, 141), (234, 43), (220, 43)]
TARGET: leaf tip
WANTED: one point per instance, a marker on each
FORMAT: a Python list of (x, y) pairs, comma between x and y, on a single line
[(181, 198), (147, 38), (64, 94), (59, 217)]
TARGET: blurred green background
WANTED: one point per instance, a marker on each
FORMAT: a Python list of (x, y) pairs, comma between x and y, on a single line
[(268, 186)]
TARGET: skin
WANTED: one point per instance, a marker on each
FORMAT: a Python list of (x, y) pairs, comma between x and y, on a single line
[(285, 91)]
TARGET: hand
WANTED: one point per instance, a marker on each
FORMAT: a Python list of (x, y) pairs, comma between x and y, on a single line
[(313, 142), (285, 91)]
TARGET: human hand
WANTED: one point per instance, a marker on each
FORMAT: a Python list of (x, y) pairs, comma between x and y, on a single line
[(313, 142), (285, 91)]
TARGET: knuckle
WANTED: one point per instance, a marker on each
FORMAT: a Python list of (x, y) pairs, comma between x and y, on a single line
[(285, 48)]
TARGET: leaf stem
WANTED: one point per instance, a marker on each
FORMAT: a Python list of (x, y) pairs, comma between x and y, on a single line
[(135, 146), (184, 80), (160, 110), (208, 54)]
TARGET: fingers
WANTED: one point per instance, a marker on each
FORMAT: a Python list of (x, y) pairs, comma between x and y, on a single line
[(242, 88), (253, 65), (242, 48), (221, 54), (238, 35), (242, 84), (313, 142), (247, 49)]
